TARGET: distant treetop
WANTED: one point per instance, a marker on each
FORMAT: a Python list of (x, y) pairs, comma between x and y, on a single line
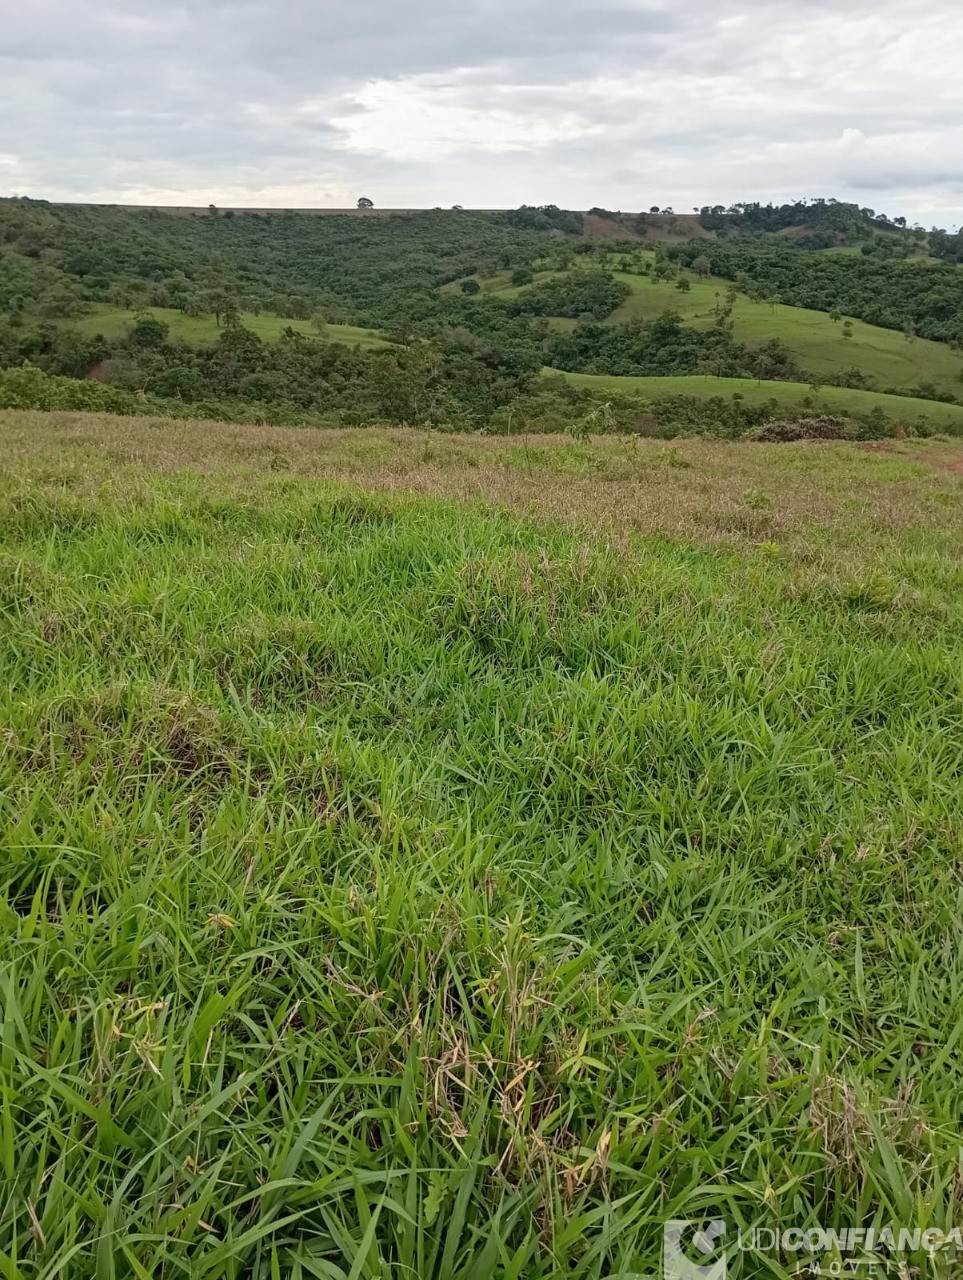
[(365, 203)]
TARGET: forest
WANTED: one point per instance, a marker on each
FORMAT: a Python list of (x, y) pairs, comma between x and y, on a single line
[(471, 307)]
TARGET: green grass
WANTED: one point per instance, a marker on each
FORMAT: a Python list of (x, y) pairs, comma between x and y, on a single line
[(499, 285), (112, 321), (816, 340), (398, 886), (946, 417)]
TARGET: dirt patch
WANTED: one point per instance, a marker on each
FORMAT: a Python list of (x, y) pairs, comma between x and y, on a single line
[(597, 228)]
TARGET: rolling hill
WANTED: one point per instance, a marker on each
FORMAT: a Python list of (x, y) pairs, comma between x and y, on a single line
[(73, 278), (111, 321), (818, 342), (790, 395)]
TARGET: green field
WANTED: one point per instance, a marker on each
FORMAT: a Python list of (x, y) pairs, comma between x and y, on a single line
[(450, 857), (112, 321), (816, 340), (945, 417)]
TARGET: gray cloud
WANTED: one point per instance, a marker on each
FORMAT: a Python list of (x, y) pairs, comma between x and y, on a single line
[(621, 103)]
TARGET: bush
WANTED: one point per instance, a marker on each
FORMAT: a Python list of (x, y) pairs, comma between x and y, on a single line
[(30, 388), (594, 294), (825, 428)]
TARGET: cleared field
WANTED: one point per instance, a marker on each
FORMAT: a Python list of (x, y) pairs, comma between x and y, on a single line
[(112, 321), (817, 341), (500, 285), (452, 857), (946, 417)]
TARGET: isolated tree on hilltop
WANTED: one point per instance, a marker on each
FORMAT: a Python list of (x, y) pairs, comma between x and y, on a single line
[(365, 203)]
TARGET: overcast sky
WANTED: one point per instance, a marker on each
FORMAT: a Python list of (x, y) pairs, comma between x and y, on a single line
[(621, 103)]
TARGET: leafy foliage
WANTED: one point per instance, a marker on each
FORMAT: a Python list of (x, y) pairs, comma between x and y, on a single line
[(926, 295), (293, 265), (574, 294)]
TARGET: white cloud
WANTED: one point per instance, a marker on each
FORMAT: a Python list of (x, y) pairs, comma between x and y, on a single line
[(431, 117), (613, 102)]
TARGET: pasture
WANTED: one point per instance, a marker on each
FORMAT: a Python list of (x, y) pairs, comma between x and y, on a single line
[(111, 321), (452, 857), (817, 341), (796, 396)]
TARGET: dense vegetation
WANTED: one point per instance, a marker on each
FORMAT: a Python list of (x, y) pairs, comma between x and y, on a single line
[(452, 349), (293, 265), (925, 296), (590, 294), (819, 224), (666, 346), (405, 886)]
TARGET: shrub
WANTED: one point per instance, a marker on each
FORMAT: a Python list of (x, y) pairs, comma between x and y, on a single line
[(825, 428), (30, 388)]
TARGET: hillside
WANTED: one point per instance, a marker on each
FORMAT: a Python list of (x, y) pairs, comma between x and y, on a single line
[(445, 317), (790, 396), (822, 345), (113, 321)]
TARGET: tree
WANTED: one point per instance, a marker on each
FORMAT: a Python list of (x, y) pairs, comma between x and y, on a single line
[(216, 303), (702, 266), (365, 203), (835, 316), (522, 275), (470, 287), (147, 331), (683, 285)]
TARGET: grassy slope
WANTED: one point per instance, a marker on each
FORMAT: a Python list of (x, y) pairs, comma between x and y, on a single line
[(111, 322), (817, 341), (946, 417), (395, 886)]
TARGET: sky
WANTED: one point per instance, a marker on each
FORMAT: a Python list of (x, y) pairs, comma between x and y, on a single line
[(485, 103)]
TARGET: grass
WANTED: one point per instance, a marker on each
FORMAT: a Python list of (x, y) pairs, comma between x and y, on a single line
[(452, 857), (112, 321), (816, 340), (946, 417)]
